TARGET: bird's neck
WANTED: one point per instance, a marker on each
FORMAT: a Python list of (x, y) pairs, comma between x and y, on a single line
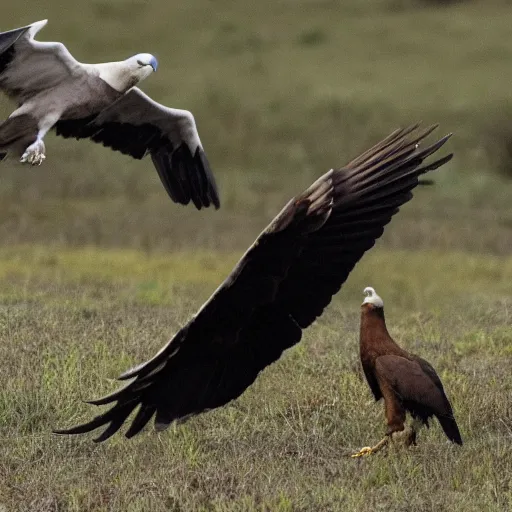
[(117, 75), (374, 338)]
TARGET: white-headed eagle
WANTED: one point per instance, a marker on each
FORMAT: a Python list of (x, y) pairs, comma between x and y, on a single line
[(99, 102)]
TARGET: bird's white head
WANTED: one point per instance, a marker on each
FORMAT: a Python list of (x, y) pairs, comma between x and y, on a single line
[(141, 65), (372, 298), (125, 74)]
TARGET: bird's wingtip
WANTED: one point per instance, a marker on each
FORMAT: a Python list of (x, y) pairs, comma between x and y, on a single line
[(36, 27), (39, 24), (60, 431)]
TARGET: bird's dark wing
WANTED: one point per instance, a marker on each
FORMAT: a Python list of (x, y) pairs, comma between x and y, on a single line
[(231, 339), (372, 382), (136, 125), (428, 369), (281, 284), (419, 389), (368, 192), (28, 67)]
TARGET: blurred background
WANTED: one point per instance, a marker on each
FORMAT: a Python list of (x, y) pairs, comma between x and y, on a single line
[(281, 91)]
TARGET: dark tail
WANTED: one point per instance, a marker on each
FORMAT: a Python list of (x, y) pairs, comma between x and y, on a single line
[(18, 131), (450, 428)]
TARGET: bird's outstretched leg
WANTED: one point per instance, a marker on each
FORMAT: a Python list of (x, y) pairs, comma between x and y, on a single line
[(406, 437), (35, 153), (368, 450), (395, 416)]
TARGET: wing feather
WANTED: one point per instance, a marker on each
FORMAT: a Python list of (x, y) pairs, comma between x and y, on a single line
[(419, 388), (136, 125), (279, 287), (28, 67)]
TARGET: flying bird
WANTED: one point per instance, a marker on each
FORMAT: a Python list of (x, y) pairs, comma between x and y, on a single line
[(99, 102), (277, 289), (408, 383)]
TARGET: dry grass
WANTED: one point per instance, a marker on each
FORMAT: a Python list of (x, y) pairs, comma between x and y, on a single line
[(98, 268), (71, 320)]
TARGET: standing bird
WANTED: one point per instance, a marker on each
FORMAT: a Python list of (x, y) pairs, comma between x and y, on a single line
[(100, 102), (407, 382), (278, 288)]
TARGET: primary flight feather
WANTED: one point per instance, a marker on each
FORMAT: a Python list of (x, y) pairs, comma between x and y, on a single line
[(99, 102), (279, 287)]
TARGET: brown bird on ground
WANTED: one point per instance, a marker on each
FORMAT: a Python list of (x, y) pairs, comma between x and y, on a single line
[(281, 285), (407, 382)]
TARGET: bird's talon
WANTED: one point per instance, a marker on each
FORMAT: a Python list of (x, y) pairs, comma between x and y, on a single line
[(367, 450), (34, 154)]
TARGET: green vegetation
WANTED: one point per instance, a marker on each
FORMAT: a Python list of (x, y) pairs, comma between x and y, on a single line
[(73, 319), (98, 268)]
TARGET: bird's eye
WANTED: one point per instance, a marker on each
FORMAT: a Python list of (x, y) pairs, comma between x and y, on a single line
[(140, 63)]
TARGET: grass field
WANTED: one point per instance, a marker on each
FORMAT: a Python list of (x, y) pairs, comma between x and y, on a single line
[(98, 268)]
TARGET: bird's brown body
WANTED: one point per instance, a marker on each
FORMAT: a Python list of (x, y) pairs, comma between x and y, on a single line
[(376, 342), (406, 382)]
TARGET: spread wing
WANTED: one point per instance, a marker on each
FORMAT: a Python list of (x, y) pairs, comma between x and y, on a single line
[(281, 284), (419, 389), (28, 67), (136, 125)]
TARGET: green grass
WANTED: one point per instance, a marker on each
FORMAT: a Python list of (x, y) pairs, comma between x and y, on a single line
[(71, 320), (98, 268)]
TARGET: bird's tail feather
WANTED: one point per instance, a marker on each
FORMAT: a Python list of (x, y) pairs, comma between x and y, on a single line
[(450, 428)]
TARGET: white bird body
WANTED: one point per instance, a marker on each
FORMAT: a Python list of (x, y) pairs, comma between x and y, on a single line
[(98, 101)]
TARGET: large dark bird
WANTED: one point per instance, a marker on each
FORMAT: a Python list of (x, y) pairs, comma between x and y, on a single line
[(98, 101), (279, 287), (407, 382)]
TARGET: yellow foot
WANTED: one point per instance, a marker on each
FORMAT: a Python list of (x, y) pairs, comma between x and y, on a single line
[(367, 450)]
